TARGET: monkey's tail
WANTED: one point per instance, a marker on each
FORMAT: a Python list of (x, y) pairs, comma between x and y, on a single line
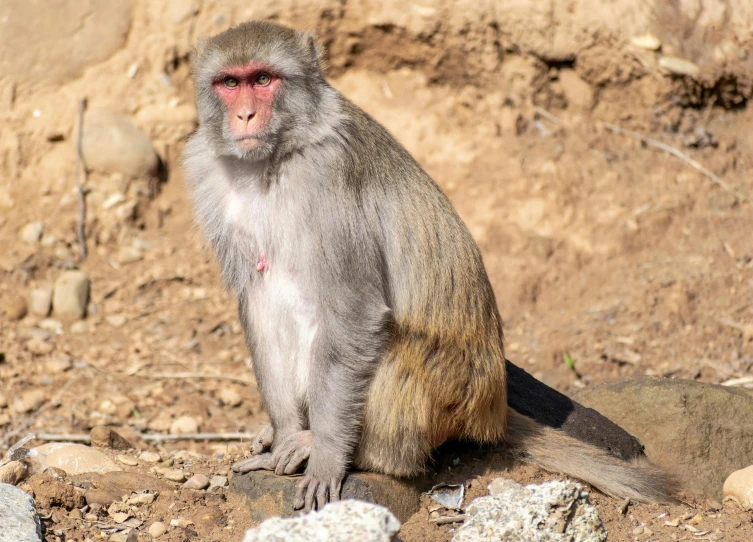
[(555, 451)]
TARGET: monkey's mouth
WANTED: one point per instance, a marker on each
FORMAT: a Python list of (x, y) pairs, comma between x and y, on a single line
[(247, 142)]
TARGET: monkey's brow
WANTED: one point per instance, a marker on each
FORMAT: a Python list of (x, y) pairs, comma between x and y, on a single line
[(245, 70)]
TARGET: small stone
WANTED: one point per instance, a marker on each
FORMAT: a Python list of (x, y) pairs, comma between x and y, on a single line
[(117, 320), (180, 522), (679, 66), (128, 255), (157, 529), (174, 475), (143, 498), (32, 232), (230, 397), (59, 365), (126, 460), (29, 401), (76, 514), (647, 41), (149, 457), (40, 301), (71, 294), (15, 308), (638, 530), (51, 325), (79, 328), (217, 481), (738, 487), (197, 481), (104, 437), (120, 517), (183, 425), (39, 348), (13, 472)]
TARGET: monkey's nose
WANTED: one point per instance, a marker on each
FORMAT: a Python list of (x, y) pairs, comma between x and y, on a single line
[(245, 115)]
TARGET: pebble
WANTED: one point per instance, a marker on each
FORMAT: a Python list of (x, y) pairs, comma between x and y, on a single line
[(128, 255), (38, 334), (679, 66), (15, 308), (230, 397), (149, 457), (51, 325), (183, 425), (738, 487), (647, 41), (40, 301), (80, 328), (32, 232), (174, 475), (28, 401), (39, 348), (59, 365), (71, 294), (117, 320), (126, 460), (104, 437), (638, 530), (217, 481), (142, 498), (157, 529), (76, 514), (180, 522), (197, 481)]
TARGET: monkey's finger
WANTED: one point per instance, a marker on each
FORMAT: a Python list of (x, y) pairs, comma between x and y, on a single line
[(335, 488), (322, 496), (259, 462), (300, 491), (296, 460), (311, 496), (263, 440)]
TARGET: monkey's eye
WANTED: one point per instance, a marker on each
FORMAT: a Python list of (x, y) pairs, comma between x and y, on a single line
[(263, 79), (230, 82)]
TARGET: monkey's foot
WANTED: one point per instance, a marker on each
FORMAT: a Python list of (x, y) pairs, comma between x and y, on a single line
[(287, 457), (314, 492), (263, 440)]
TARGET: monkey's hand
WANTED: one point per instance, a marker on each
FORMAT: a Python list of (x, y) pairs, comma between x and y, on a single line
[(286, 457), (263, 440), (319, 486)]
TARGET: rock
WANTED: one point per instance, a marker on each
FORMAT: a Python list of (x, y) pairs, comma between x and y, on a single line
[(58, 365), (40, 301), (117, 320), (157, 529), (679, 66), (127, 255), (71, 295), (112, 144), (15, 308), (183, 425), (104, 437), (265, 494), (579, 94), (230, 397), (39, 348), (51, 325), (76, 458), (197, 481), (700, 432), (32, 232), (556, 511), (174, 475), (111, 487), (217, 481), (18, 516), (127, 460), (738, 487), (50, 492), (79, 328), (342, 521), (149, 457), (647, 41), (29, 400), (13, 472), (3, 400)]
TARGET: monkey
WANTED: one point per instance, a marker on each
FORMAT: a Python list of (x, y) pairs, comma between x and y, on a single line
[(373, 328)]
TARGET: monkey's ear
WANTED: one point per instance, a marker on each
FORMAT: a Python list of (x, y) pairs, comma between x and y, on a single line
[(316, 50)]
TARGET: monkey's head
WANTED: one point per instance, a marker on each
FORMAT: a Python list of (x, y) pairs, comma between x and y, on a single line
[(254, 87)]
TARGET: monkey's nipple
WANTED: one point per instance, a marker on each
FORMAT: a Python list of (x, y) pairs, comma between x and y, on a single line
[(263, 265)]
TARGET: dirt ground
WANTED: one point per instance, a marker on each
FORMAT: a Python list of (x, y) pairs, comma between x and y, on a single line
[(602, 249)]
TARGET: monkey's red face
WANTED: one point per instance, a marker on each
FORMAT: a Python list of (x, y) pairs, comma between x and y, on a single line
[(247, 92)]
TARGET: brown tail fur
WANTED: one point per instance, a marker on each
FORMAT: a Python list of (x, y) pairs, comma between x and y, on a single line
[(554, 451)]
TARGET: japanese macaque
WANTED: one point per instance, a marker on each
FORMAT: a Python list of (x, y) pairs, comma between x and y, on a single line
[(374, 331)]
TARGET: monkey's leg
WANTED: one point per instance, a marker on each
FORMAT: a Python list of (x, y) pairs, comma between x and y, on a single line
[(350, 342)]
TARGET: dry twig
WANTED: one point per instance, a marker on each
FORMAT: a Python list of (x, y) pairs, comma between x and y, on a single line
[(151, 437), (674, 152), (448, 519), (198, 375), (80, 174)]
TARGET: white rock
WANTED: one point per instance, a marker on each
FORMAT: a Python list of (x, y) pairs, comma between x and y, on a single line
[(80, 328), (18, 516), (76, 458), (149, 457), (679, 66), (157, 529), (112, 144), (40, 301), (738, 487), (127, 460), (32, 232), (58, 365), (647, 41), (197, 481), (117, 320), (29, 400), (71, 294), (128, 255), (230, 397), (217, 481), (555, 511), (174, 475), (342, 521), (184, 424)]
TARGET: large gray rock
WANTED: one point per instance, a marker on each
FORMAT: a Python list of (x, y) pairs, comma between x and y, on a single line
[(555, 511), (700, 432), (19, 521), (51, 41), (112, 144), (343, 521)]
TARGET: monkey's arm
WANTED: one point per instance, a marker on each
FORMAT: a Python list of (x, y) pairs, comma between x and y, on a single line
[(352, 337)]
